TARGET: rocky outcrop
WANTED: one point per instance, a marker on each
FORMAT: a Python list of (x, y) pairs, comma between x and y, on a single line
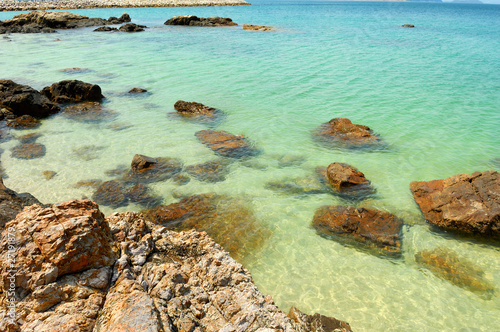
[(343, 133), (146, 169), (24, 122), (132, 27), (44, 21), (24, 100), (345, 180), (226, 144), (72, 91), (257, 27), (89, 111), (11, 203), (67, 268), (375, 229), (316, 322), (192, 20), (198, 111), (462, 203)]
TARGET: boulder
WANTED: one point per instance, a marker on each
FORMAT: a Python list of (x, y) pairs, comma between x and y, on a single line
[(132, 27), (72, 91), (192, 20), (89, 111), (226, 144), (24, 100), (462, 203), (146, 169), (24, 122), (375, 229), (345, 180), (198, 111), (257, 27), (110, 193), (28, 151), (212, 171), (125, 18), (343, 133), (316, 322), (11, 203)]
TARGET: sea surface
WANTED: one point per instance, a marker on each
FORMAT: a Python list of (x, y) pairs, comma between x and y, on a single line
[(431, 92)]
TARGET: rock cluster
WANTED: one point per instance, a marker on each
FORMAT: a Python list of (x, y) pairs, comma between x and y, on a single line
[(192, 20)]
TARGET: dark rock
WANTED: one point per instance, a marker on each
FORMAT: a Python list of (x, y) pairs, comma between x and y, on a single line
[(192, 20), (24, 100), (49, 174), (88, 112), (72, 91), (226, 144), (28, 151), (376, 229), (408, 26), (138, 90), (11, 203), (132, 27), (110, 193), (342, 132), (119, 20), (446, 264), (6, 114), (257, 27), (316, 323), (212, 171), (346, 180), (24, 122), (105, 29), (146, 169), (463, 203)]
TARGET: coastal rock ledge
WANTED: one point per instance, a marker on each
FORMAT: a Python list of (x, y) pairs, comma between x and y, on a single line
[(68, 268)]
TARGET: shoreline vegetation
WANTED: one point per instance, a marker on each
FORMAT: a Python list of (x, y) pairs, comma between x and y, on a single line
[(12, 5)]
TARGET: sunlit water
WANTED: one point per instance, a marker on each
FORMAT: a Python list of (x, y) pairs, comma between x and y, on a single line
[(432, 93)]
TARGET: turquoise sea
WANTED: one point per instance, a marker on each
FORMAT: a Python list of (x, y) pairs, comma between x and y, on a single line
[(432, 92)]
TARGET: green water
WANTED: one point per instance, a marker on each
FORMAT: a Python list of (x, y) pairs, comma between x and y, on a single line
[(432, 93)]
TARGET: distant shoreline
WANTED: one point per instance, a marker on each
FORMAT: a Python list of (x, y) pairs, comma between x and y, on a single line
[(14, 5)]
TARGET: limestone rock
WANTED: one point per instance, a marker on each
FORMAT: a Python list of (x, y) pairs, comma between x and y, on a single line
[(343, 133), (463, 203), (72, 91), (24, 100), (226, 144)]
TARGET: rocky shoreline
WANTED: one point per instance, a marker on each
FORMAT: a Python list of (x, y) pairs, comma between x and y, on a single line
[(14, 5)]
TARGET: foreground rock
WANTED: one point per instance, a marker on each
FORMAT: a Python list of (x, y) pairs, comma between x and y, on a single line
[(346, 180), (316, 322), (375, 229), (11, 203), (72, 91), (447, 265), (74, 270), (343, 133), (43, 21), (226, 144), (464, 203), (24, 100), (257, 27), (197, 111), (192, 20)]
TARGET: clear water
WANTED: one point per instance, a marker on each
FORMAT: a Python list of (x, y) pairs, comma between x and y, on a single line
[(432, 92)]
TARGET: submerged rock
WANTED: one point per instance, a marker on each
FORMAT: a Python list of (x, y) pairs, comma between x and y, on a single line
[(226, 144), (24, 122), (88, 112), (298, 186), (446, 264), (140, 194), (257, 27), (28, 151), (375, 229), (76, 70), (28, 138), (290, 160), (316, 322), (463, 203), (346, 180), (49, 174), (192, 20), (23, 100), (343, 133), (212, 171), (198, 112), (88, 152), (110, 193), (72, 91), (146, 169), (11, 203)]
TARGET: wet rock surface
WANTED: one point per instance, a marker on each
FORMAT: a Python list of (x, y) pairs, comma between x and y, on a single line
[(24, 122), (146, 169), (198, 112), (341, 132), (212, 171), (226, 144), (132, 27), (72, 91), (28, 151), (378, 230), (23, 100), (105, 29), (316, 322), (137, 90), (192, 20), (88, 112), (11, 203), (346, 180), (462, 203)]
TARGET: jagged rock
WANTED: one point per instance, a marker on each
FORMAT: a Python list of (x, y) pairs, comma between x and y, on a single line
[(193, 20), (226, 144), (110, 193), (11, 203), (132, 27), (88, 112), (24, 122), (375, 229), (316, 322), (105, 29), (346, 180), (72, 91), (257, 27), (462, 203), (342, 132), (146, 169), (212, 171), (24, 100), (28, 151), (125, 18), (446, 264), (137, 90)]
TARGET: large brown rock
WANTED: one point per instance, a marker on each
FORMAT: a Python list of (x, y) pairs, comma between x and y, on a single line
[(72, 91), (316, 322), (198, 111), (192, 20), (11, 203), (376, 229), (342, 132), (463, 203), (226, 144), (345, 180), (24, 100)]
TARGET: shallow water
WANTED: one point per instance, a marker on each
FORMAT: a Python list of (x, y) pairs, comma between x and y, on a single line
[(432, 93)]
